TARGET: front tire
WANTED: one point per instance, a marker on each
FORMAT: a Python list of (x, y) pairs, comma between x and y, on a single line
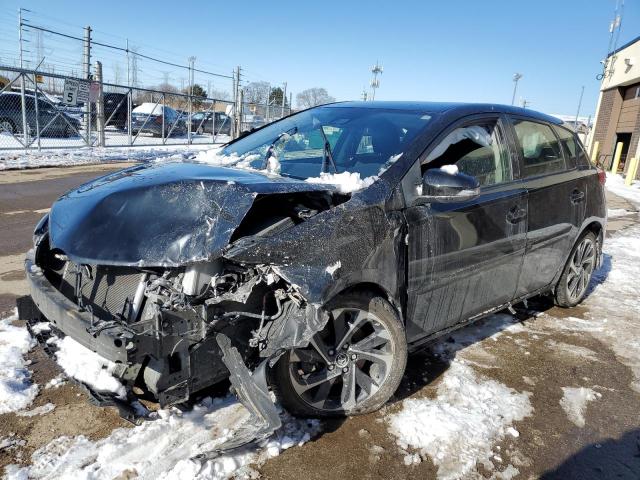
[(574, 281), (351, 367)]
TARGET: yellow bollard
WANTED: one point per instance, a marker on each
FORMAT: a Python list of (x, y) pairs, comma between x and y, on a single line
[(616, 157), (631, 171), (594, 152)]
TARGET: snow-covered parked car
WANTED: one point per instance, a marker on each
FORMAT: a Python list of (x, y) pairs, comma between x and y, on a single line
[(311, 256), (158, 120)]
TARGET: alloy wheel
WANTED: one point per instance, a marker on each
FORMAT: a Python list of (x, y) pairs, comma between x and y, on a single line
[(581, 268), (345, 364), (6, 126)]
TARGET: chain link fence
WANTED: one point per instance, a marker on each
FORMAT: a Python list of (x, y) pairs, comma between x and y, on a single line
[(35, 114)]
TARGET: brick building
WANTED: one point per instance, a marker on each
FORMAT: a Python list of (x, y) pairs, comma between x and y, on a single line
[(618, 111)]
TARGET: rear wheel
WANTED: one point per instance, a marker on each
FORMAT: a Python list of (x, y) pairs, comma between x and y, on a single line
[(577, 273), (351, 367), (7, 125)]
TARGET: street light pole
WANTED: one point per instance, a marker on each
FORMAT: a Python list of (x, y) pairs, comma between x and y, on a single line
[(516, 77)]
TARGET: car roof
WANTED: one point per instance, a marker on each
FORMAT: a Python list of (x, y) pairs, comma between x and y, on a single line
[(449, 108)]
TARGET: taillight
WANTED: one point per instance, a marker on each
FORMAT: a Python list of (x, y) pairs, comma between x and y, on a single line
[(602, 176)]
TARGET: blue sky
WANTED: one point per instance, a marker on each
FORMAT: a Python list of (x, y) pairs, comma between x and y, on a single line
[(454, 50)]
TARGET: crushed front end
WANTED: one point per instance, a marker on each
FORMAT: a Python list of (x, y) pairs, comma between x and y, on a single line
[(173, 332)]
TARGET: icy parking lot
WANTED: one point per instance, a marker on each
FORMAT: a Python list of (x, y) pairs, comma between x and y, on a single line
[(548, 392)]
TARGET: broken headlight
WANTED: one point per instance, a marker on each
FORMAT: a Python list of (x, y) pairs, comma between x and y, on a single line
[(41, 230)]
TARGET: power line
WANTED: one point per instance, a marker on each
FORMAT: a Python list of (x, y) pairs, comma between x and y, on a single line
[(121, 49)]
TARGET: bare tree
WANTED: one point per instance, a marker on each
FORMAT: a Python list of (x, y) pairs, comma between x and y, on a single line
[(257, 92), (313, 96), (219, 94)]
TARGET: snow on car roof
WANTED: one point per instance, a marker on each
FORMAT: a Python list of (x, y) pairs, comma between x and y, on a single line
[(150, 107)]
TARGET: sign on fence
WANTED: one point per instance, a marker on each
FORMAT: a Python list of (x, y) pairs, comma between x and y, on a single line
[(83, 91), (70, 95), (94, 92)]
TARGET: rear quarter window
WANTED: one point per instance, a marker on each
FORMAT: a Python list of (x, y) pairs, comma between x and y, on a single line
[(539, 148)]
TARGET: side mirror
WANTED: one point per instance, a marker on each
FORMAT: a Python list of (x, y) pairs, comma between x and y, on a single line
[(443, 187)]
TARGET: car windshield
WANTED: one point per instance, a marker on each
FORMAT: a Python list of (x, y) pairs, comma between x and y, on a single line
[(360, 140)]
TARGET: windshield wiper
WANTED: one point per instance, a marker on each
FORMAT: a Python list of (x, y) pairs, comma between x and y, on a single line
[(327, 153), (269, 154)]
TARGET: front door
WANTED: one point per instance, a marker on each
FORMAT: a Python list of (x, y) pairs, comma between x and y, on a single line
[(465, 258)]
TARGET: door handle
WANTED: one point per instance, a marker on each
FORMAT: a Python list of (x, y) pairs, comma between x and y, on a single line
[(577, 196), (516, 214)]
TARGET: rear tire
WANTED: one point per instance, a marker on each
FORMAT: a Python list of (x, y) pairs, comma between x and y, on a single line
[(356, 363), (574, 281), (7, 125)]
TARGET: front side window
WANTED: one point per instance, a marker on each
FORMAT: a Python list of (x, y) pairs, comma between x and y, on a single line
[(539, 148), (361, 140), (476, 150)]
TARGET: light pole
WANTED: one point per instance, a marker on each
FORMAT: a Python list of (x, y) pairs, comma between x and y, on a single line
[(375, 83), (516, 77)]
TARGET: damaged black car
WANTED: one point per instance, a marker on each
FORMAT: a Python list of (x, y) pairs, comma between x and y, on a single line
[(310, 256)]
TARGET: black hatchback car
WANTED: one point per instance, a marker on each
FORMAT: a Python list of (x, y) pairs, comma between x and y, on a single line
[(314, 253)]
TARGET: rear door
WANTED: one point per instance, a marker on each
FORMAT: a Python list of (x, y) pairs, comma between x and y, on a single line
[(465, 258), (557, 196)]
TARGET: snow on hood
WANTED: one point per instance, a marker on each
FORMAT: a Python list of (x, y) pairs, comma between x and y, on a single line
[(346, 182), (164, 214)]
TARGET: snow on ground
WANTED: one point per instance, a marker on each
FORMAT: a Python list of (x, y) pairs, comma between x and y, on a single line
[(346, 182), (615, 184), (41, 410), (613, 296), (470, 412), (458, 428), (84, 155), (163, 448), (16, 390), (574, 402), (618, 212), (86, 366)]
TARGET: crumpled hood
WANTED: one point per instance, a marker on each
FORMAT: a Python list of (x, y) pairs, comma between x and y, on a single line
[(159, 215)]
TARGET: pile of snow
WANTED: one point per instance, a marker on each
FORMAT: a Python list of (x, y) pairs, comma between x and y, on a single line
[(41, 410), (16, 390), (458, 428), (615, 184), (164, 448), (346, 182), (88, 367), (574, 402)]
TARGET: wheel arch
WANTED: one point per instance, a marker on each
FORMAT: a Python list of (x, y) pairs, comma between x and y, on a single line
[(370, 287)]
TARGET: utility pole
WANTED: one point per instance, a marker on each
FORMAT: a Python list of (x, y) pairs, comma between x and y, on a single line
[(364, 94), (237, 111), (100, 106), (25, 132), (192, 61), (525, 103), (516, 79), (375, 83), (578, 112), (284, 99), (86, 75)]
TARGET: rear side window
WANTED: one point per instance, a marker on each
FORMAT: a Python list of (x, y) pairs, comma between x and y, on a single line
[(572, 147), (539, 148)]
